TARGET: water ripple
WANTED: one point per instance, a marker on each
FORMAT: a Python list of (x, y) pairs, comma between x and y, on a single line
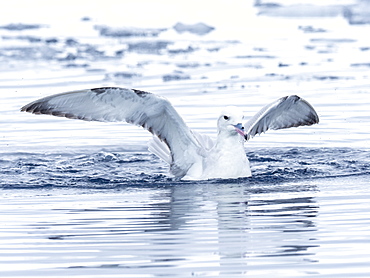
[(107, 169)]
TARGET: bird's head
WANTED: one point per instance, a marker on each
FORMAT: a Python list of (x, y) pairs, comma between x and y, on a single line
[(230, 121)]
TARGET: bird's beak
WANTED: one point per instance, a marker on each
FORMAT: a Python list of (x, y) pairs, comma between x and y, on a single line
[(239, 129)]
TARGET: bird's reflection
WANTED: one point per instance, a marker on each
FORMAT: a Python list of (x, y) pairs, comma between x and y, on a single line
[(224, 227), (235, 222)]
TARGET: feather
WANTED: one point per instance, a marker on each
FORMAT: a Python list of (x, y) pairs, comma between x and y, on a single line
[(286, 112), (111, 104)]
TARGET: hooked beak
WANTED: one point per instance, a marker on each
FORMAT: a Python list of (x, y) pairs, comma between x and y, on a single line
[(239, 129)]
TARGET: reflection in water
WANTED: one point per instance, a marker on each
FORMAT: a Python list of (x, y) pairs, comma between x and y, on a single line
[(226, 225), (233, 228), (226, 228), (294, 216)]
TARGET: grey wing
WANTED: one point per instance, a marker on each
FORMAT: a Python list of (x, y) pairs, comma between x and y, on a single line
[(290, 111), (111, 104)]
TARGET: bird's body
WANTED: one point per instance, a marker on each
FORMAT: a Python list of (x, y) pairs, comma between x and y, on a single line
[(189, 154), (226, 159)]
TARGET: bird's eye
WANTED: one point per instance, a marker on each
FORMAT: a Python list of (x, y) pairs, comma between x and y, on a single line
[(226, 118)]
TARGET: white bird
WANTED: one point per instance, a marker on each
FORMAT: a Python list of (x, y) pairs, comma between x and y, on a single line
[(190, 155)]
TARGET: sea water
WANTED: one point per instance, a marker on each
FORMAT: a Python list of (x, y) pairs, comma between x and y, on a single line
[(85, 199)]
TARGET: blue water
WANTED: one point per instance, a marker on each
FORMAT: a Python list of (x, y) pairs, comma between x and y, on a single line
[(305, 212), (116, 170), (84, 199)]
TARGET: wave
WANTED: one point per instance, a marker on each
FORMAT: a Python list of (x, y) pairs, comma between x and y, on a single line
[(111, 170)]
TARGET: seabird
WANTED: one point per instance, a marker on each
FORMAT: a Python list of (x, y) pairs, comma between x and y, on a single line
[(191, 155)]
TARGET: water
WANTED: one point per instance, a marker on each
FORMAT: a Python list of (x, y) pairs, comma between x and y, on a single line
[(84, 199)]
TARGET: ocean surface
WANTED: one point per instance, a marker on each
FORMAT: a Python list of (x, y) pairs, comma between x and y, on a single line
[(86, 199)]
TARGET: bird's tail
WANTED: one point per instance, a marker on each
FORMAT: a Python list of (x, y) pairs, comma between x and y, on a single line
[(160, 149)]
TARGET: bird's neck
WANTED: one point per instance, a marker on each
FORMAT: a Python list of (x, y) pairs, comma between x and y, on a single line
[(227, 140)]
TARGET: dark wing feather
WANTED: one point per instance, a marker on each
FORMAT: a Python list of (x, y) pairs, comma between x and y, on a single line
[(290, 111)]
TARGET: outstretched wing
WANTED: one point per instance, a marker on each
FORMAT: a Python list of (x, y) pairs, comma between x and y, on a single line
[(111, 104), (290, 111)]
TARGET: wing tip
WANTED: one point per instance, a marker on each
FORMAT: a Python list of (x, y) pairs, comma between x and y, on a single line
[(313, 118), (30, 108), (316, 118), (35, 108)]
